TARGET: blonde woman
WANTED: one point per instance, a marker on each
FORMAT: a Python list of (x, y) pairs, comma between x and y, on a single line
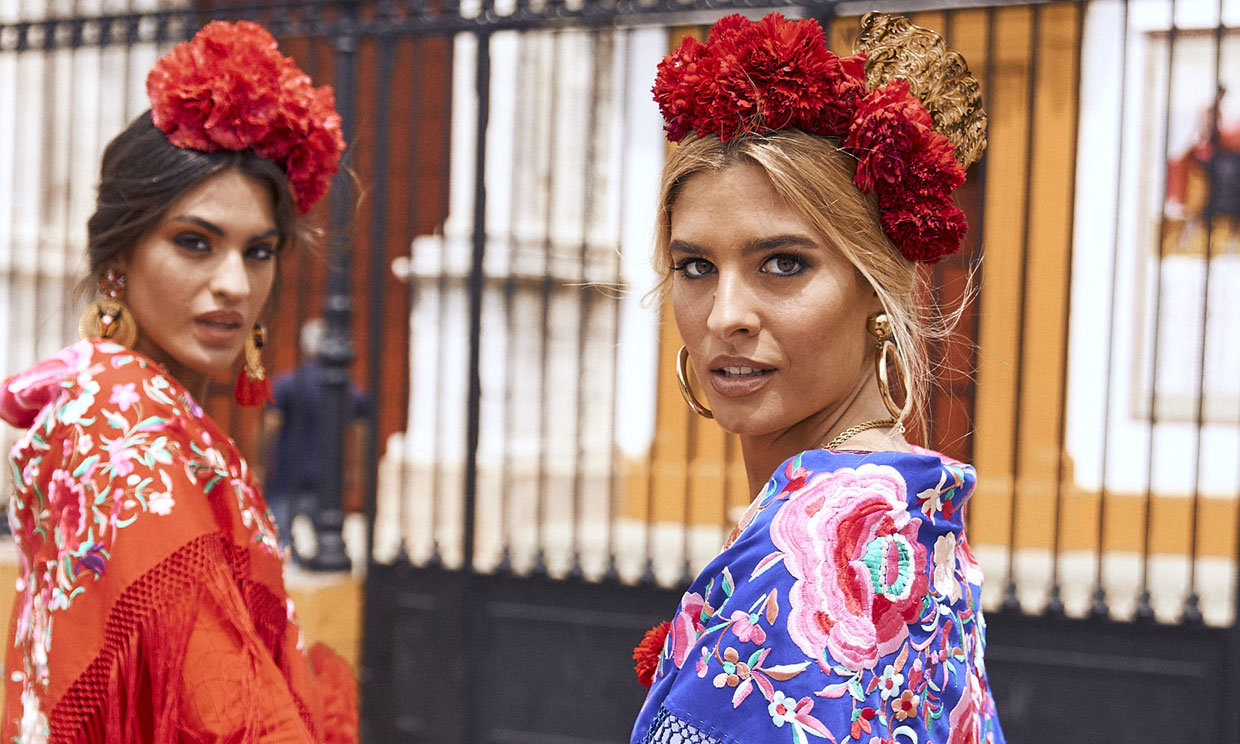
[(804, 190)]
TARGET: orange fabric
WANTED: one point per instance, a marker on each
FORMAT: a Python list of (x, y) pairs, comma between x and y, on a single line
[(151, 606)]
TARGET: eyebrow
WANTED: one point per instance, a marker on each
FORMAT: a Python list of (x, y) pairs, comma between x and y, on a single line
[(218, 231), (762, 245)]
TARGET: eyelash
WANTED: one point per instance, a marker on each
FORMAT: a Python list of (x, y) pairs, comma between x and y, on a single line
[(801, 265), (683, 267), (199, 244)]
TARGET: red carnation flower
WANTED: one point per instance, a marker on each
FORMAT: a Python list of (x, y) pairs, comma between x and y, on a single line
[(647, 653), (754, 78), (890, 125), (924, 230), (229, 88)]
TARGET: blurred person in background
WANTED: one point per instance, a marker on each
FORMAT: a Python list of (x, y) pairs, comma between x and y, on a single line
[(291, 427), (803, 193), (151, 604)]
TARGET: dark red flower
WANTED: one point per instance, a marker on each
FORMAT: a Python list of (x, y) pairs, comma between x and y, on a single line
[(646, 653), (229, 88), (754, 78), (924, 230)]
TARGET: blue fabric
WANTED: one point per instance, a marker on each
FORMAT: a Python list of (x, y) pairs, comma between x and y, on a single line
[(845, 607), (297, 467)]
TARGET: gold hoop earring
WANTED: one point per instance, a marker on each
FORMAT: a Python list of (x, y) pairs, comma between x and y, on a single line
[(879, 326), (682, 376), (253, 388), (108, 318)]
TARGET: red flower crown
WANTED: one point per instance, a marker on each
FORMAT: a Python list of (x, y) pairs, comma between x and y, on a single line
[(754, 78), (229, 88)]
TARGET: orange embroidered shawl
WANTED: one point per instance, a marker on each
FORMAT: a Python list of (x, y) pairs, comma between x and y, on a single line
[(151, 605)]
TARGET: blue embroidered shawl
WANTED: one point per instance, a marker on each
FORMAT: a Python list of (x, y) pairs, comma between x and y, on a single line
[(845, 607)]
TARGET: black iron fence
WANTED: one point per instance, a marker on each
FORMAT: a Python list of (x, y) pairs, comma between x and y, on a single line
[(533, 488)]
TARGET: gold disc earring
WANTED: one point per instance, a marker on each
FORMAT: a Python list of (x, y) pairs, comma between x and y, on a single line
[(108, 317), (887, 352), (682, 376)]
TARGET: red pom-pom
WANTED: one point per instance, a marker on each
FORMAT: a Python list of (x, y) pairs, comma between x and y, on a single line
[(229, 88), (252, 390), (646, 654)]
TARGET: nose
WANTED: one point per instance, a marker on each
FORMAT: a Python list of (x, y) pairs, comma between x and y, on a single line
[(734, 310), (230, 279)]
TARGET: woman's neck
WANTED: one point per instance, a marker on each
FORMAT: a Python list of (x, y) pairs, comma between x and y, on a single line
[(193, 381), (763, 453)]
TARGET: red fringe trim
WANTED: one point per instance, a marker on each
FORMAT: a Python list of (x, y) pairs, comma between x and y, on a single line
[(130, 692)]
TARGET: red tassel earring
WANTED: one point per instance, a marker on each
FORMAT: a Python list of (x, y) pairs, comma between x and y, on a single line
[(253, 388)]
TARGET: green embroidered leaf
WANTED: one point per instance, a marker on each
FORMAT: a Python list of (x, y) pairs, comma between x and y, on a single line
[(854, 689), (753, 658), (728, 585), (86, 465)]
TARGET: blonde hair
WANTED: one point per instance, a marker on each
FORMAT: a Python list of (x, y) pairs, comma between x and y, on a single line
[(814, 177)]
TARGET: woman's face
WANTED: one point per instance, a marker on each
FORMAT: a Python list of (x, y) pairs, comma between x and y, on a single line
[(197, 281), (773, 318)]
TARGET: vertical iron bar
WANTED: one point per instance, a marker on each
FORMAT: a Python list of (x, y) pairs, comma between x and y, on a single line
[(336, 353), (1145, 611), (482, 86), (1192, 604), (376, 295), (1055, 605), (1010, 600), (1099, 608)]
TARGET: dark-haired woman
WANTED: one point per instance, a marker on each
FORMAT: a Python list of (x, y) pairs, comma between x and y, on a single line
[(151, 606), (802, 193)]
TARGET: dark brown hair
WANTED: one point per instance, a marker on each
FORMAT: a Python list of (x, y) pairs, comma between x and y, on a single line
[(143, 174)]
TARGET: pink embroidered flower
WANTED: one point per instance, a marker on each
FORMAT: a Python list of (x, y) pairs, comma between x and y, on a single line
[(67, 499), (746, 628), (23, 395), (945, 582), (965, 718), (860, 572), (686, 627), (120, 456), (124, 396)]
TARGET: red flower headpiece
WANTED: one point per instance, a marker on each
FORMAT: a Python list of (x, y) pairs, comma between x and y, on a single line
[(229, 88), (754, 78)]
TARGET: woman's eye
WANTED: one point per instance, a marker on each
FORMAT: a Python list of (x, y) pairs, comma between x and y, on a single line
[(262, 252), (694, 268), (783, 266), (192, 242)]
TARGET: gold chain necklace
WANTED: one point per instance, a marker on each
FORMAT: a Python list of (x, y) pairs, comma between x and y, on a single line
[(853, 431)]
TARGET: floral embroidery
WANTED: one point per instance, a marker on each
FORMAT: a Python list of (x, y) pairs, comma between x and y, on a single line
[(98, 457), (856, 618), (841, 527)]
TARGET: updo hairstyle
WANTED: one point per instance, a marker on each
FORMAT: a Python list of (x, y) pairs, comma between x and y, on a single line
[(143, 174)]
